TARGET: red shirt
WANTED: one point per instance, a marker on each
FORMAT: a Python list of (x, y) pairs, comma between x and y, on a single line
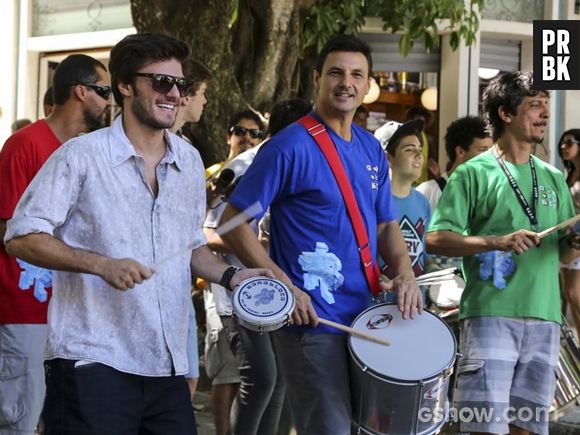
[(21, 158)]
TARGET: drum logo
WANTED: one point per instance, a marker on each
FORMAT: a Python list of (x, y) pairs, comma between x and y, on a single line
[(379, 321), (262, 298), (433, 393)]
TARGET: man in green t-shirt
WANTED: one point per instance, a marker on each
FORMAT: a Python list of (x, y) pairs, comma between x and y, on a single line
[(490, 214)]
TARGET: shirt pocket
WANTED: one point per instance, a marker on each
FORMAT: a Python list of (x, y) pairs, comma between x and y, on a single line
[(13, 388)]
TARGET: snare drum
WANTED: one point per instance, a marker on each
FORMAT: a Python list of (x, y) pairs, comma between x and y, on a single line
[(568, 374), (263, 304), (446, 295), (402, 388)]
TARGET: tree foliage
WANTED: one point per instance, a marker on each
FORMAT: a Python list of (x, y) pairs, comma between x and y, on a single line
[(263, 51), (419, 19)]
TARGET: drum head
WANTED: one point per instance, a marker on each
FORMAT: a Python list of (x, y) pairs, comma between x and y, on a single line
[(420, 348), (262, 302), (448, 293)]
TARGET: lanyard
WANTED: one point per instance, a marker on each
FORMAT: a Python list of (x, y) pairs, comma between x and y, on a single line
[(529, 210)]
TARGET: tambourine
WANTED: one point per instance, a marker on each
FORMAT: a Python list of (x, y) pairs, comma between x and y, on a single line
[(263, 304)]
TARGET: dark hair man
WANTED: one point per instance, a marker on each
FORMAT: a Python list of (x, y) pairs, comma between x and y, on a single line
[(104, 210), (465, 138), (490, 214), (193, 105), (47, 102), (310, 224), (245, 131), (82, 84)]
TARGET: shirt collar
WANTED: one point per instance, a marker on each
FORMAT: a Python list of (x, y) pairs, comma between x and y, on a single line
[(121, 149)]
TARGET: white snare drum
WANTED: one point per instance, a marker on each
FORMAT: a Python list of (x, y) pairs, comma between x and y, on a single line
[(447, 294), (262, 304), (402, 388)]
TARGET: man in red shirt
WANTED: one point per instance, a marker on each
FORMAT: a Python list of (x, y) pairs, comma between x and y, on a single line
[(81, 96)]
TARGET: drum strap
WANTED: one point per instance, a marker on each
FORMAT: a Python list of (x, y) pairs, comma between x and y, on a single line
[(318, 132)]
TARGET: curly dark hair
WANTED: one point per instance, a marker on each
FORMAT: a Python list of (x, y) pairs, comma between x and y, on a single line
[(569, 165), (508, 91), (462, 132)]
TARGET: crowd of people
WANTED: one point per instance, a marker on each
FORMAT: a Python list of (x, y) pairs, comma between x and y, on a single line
[(113, 224)]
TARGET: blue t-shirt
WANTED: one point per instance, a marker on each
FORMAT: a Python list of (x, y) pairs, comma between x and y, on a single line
[(413, 215), (311, 236)]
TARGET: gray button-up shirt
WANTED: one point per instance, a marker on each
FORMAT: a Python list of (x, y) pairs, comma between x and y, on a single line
[(93, 194)]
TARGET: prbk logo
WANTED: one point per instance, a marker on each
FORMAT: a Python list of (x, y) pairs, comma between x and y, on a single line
[(556, 54)]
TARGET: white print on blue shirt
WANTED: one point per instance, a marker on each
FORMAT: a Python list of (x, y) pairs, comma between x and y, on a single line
[(321, 269), (37, 276), (374, 174)]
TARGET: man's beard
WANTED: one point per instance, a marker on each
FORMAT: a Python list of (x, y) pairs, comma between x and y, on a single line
[(93, 121), (146, 118)]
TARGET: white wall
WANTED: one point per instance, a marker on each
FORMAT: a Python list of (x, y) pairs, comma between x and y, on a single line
[(8, 50)]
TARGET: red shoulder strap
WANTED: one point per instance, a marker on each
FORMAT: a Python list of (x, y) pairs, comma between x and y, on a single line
[(318, 132)]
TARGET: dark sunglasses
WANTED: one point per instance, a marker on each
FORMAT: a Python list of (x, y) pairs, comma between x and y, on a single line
[(568, 143), (163, 83), (102, 91), (255, 133)]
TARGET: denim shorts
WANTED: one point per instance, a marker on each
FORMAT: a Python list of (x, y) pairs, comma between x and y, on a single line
[(22, 385)]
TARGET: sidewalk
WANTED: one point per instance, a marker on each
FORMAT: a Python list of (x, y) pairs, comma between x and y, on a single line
[(569, 424)]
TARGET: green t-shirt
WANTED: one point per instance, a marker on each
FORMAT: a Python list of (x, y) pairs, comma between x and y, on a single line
[(478, 200)]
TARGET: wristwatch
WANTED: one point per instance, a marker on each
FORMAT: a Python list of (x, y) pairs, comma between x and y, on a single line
[(227, 277)]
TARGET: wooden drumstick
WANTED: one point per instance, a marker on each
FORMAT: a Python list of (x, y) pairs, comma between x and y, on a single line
[(355, 332), (438, 273), (561, 225)]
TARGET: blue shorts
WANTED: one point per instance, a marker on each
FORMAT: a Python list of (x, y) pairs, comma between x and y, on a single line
[(22, 384), (507, 374), (192, 352)]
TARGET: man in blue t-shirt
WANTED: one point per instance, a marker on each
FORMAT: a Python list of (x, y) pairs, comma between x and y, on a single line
[(312, 244)]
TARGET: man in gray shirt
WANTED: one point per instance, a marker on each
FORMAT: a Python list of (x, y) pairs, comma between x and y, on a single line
[(105, 212)]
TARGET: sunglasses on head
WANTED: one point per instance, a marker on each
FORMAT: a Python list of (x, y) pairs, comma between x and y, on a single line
[(102, 91), (568, 143), (163, 83), (255, 133)]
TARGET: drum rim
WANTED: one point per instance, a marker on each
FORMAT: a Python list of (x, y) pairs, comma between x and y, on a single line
[(366, 369), (266, 323)]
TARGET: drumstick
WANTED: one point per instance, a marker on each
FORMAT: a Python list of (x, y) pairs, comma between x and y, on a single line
[(238, 219), (561, 225), (355, 332), (435, 280), (449, 271)]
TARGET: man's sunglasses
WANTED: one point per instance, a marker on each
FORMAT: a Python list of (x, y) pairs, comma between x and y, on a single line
[(102, 91), (255, 133), (163, 83)]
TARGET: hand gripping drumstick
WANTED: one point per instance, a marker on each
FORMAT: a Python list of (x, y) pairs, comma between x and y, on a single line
[(355, 332), (238, 219), (561, 225)]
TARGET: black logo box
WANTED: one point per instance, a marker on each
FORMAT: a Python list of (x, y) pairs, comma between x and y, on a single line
[(573, 63)]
